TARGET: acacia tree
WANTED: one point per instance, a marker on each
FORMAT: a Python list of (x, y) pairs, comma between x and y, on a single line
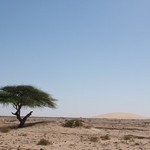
[(25, 96)]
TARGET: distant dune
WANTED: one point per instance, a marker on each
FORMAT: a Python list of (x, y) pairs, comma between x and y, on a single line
[(121, 115)]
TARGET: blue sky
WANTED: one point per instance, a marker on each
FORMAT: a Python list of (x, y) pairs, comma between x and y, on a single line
[(93, 56)]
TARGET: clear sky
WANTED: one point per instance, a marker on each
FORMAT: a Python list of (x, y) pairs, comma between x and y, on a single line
[(91, 55)]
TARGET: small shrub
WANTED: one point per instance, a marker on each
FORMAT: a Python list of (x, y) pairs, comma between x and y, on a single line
[(73, 123), (43, 142), (105, 137), (127, 137), (87, 126), (4, 130), (22, 134), (137, 144), (94, 139)]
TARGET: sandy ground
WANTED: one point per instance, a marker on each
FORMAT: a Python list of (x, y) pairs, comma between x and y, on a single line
[(95, 134), (121, 115)]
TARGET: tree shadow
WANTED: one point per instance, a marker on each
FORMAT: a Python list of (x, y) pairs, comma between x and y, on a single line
[(6, 129), (35, 123)]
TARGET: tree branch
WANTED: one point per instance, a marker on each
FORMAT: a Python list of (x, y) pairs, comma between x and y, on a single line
[(13, 113), (17, 113), (28, 115), (25, 118)]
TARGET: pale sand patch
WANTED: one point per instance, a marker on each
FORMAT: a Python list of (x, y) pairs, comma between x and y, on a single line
[(121, 115)]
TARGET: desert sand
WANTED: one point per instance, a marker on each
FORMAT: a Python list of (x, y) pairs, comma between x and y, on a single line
[(94, 134), (121, 115)]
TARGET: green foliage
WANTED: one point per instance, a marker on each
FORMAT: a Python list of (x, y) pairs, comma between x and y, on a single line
[(26, 96)]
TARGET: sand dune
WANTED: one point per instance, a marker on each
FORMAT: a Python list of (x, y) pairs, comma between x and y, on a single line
[(121, 115)]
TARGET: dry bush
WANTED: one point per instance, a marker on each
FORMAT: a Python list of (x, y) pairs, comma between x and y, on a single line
[(87, 126), (137, 144), (127, 137), (131, 137), (43, 142), (22, 134), (94, 139), (4, 130), (105, 137), (73, 123)]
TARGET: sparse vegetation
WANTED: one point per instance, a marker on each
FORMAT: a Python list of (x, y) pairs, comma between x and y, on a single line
[(94, 139), (127, 137), (22, 134), (73, 123), (43, 142), (137, 144), (4, 130), (105, 137)]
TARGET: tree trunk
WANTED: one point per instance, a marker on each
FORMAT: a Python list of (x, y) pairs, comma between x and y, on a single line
[(17, 114), (21, 124), (22, 121)]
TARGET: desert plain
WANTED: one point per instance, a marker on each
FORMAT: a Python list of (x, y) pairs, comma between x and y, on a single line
[(44, 133)]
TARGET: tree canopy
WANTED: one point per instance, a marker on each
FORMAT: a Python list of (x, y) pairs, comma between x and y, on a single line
[(25, 96)]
